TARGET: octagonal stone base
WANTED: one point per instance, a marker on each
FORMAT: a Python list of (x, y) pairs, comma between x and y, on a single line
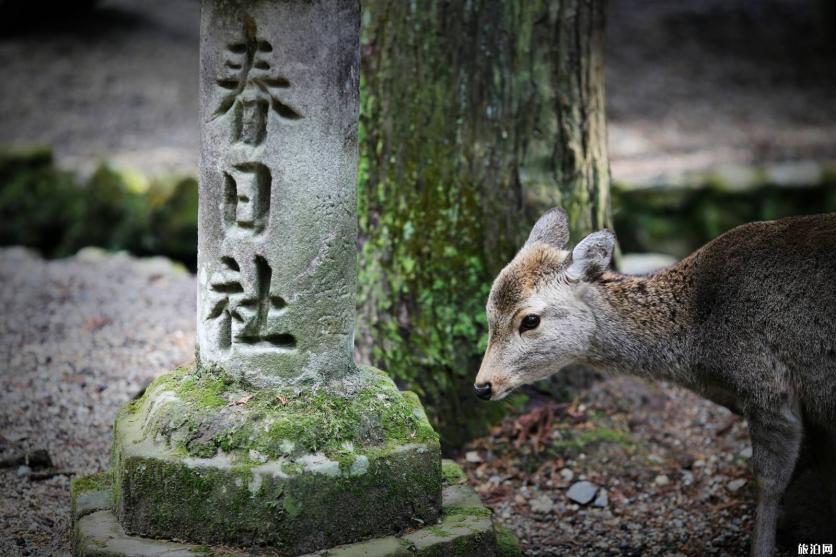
[(208, 460), (466, 528)]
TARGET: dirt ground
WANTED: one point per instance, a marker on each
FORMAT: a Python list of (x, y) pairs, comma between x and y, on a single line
[(690, 85), (674, 469)]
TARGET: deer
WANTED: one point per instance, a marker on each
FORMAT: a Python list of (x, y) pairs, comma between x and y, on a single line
[(747, 321)]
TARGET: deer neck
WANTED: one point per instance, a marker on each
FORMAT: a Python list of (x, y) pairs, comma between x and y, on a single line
[(643, 325)]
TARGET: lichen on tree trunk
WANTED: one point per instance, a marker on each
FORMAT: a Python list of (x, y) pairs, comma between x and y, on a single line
[(476, 116)]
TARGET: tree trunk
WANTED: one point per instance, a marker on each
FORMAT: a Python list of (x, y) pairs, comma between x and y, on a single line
[(476, 116)]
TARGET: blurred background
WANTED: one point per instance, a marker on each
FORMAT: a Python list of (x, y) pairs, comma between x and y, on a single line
[(718, 112)]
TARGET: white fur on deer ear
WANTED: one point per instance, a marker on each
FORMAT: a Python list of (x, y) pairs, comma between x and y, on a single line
[(552, 229), (592, 255)]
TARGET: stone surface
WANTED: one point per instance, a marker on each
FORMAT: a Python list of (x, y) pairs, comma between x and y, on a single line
[(735, 485), (542, 504), (661, 480), (277, 220), (204, 459), (99, 535), (602, 500), (465, 529), (582, 492)]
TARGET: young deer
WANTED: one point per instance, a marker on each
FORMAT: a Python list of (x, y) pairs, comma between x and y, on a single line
[(747, 321)]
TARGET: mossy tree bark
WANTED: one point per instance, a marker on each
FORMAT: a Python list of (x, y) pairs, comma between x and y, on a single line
[(476, 116)]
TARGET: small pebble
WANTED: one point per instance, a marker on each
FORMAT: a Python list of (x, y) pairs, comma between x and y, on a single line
[(661, 480), (602, 500), (567, 474), (735, 485), (23, 471), (473, 457), (582, 492), (542, 504)]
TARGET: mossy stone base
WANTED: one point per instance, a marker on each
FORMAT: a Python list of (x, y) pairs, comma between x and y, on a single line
[(208, 460), (465, 529)]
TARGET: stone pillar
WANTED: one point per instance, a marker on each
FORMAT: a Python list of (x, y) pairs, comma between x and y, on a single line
[(275, 438), (277, 224)]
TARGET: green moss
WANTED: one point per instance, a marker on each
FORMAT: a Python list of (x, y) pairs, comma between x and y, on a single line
[(93, 482), (439, 531), (580, 441), (54, 211), (292, 507), (507, 544), (217, 504), (208, 393), (466, 511), (678, 220), (452, 473), (292, 468), (285, 422)]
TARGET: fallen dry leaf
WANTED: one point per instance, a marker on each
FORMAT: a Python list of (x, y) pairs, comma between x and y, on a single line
[(242, 400)]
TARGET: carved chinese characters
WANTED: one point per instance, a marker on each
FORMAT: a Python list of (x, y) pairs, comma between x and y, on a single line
[(252, 85), (244, 311), (277, 217), (248, 317), (247, 198)]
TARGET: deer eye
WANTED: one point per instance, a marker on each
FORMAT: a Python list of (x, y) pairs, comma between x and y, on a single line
[(529, 322)]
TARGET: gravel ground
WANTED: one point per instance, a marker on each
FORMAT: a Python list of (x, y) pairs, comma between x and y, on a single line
[(674, 467), (691, 85), (79, 337)]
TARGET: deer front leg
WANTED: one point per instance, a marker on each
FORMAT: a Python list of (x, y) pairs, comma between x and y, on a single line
[(776, 440)]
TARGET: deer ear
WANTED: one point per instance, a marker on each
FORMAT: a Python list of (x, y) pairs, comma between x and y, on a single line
[(552, 229), (591, 256)]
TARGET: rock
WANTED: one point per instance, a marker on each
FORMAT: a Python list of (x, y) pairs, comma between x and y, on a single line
[(746, 453), (602, 500), (735, 485), (466, 529), (567, 474), (473, 457), (582, 492), (23, 471), (661, 480), (686, 461), (348, 464), (542, 504)]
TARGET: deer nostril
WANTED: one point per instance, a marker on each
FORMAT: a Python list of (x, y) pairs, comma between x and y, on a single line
[(483, 391)]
